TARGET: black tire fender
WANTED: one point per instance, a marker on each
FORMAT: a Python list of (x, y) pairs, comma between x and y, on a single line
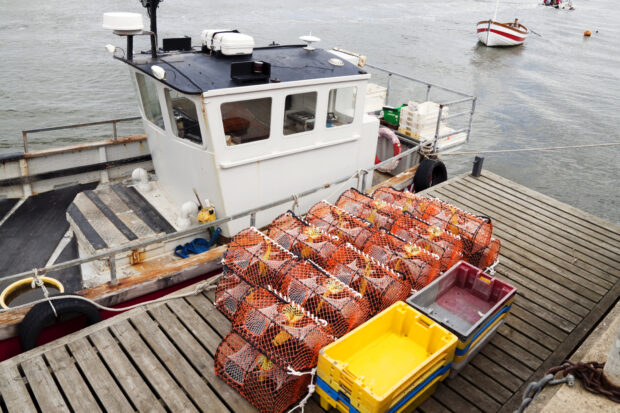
[(430, 172), (42, 315)]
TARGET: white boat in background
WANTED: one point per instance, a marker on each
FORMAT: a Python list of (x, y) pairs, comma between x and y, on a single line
[(492, 33)]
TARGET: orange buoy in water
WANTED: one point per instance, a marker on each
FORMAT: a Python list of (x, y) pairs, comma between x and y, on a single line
[(587, 33)]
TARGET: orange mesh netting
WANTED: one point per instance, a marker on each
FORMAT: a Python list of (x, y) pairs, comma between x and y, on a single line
[(339, 223), (326, 297), (487, 256), (373, 280), (474, 231), (230, 292), (305, 240), (284, 331), (261, 381), (432, 238), (256, 258), (419, 266), (376, 211)]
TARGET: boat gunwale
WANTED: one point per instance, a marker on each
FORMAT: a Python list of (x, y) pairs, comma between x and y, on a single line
[(506, 26)]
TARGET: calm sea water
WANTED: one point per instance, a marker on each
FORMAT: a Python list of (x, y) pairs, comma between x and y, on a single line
[(558, 89)]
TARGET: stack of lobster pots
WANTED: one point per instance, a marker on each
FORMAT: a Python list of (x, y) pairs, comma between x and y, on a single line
[(308, 281)]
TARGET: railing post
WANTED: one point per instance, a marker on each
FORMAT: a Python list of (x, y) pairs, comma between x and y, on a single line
[(112, 262), (471, 118), (428, 93), (437, 128), (387, 93), (25, 137), (253, 219), (114, 134)]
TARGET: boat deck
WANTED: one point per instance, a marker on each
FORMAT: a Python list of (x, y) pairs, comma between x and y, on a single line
[(564, 262)]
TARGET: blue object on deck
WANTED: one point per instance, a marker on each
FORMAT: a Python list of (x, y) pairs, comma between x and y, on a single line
[(197, 246)]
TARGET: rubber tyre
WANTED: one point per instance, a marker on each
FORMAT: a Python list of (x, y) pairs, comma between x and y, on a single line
[(430, 172), (42, 315)]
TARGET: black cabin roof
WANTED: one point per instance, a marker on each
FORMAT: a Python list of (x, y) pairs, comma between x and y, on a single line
[(194, 72)]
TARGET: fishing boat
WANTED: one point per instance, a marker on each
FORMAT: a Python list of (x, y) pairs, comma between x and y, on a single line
[(234, 135), (493, 33)]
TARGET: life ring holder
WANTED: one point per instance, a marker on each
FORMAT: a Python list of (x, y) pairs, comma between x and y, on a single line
[(20, 284), (388, 134)]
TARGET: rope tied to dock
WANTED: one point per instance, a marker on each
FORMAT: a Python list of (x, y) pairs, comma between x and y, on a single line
[(38, 282)]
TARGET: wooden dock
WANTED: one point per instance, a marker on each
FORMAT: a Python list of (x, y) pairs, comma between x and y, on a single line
[(564, 262)]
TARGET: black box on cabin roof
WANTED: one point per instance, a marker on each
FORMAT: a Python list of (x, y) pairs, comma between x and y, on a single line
[(177, 43)]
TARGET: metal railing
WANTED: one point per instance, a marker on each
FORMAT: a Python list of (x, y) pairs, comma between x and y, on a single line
[(110, 255), (113, 122), (442, 105)]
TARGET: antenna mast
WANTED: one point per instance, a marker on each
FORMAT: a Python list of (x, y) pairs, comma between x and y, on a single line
[(151, 7)]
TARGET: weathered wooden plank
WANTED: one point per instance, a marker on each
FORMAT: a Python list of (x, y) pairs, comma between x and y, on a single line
[(452, 400), (100, 380), (499, 373), (75, 389), (196, 325), (549, 241), (14, 392), (176, 364), (192, 349), (569, 211), (168, 390), (485, 383), (502, 358), (524, 342), (433, 406), (472, 393), (207, 310), (43, 386), (549, 214), (127, 376), (547, 342), (516, 351), (536, 321), (563, 234)]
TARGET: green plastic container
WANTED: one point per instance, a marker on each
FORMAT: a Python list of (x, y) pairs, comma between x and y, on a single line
[(392, 115)]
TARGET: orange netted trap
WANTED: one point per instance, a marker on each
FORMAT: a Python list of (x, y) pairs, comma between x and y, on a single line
[(305, 240), (432, 238), (373, 280), (487, 256), (419, 266), (339, 223), (474, 231), (261, 381), (325, 296), (230, 292), (256, 258), (376, 211), (284, 331)]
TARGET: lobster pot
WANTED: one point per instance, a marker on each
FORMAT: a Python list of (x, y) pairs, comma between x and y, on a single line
[(307, 241), (326, 297), (230, 292), (474, 231), (284, 331), (487, 256), (413, 261), (262, 382), (429, 237), (256, 258), (373, 280), (377, 212), (339, 223)]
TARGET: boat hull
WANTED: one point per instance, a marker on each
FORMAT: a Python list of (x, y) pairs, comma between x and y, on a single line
[(492, 33)]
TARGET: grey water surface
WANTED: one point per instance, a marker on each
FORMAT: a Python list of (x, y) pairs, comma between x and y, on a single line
[(558, 89)]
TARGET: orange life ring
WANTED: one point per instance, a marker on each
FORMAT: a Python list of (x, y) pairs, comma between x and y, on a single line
[(389, 134)]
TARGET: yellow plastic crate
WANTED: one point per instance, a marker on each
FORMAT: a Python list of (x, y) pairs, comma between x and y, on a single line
[(374, 367)]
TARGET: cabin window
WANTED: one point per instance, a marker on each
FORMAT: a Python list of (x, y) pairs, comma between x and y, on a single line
[(183, 116), (341, 106), (246, 121), (299, 112), (150, 100)]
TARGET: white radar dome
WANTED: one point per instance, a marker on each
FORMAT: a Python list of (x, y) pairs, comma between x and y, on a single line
[(124, 22)]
